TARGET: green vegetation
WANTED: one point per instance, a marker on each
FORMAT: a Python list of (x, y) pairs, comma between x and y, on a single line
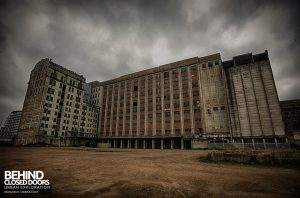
[(263, 157), (39, 144)]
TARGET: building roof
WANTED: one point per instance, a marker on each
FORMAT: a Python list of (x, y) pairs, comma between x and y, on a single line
[(162, 68), (48, 62)]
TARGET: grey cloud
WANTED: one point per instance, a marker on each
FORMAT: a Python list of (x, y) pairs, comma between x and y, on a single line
[(106, 39)]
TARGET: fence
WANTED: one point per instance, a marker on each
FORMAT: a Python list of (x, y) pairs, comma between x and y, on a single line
[(250, 145)]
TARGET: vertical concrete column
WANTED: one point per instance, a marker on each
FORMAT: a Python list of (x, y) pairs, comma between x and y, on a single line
[(131, 108), (182, 143), (171, 102), (146, 106), (191, 100), (264, 141), (114, 143), (276, 143), (106, 110), (111, 110), (144, 144), (287, 142), (153, 144), (162, 144), (138, 108), (118, 109), (136, 143), (124, 108), (243, 143), (253, 143), (162, 84), (154, 107), (121, 143), (181, 102), (172, 143)]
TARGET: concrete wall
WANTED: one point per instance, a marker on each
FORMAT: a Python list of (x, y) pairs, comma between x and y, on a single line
[(254, 106)]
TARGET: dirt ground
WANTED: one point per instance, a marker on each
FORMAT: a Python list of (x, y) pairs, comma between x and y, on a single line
[(149, 173)]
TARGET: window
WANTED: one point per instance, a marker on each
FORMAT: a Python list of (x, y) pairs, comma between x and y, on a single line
[(195, 84), (194, 68), (203, 65), (210, 64), (215, 108), (195, 93), (176, 104), (186, 95), (135, 103), (176, 96), (135, 88), (186, 111), (166, 74), (222, 107), (186, 104)]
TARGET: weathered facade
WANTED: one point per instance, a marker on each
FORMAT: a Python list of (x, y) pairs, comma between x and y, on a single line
[(54, 106), (186, 104), (291, 117), (192, 102), (10, 128)]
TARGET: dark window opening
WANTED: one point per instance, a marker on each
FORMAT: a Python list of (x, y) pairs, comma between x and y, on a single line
[(166, 74)]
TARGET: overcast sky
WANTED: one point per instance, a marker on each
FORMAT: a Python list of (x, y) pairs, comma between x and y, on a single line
[(105, 39)]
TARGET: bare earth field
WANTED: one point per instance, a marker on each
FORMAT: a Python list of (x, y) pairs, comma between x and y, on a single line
[(79, 172)]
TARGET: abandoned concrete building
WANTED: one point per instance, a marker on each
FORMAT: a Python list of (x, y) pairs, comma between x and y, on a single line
[(291, 118), (186, 104)]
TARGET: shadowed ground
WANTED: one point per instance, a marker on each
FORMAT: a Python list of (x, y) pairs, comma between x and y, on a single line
[(87, 173)]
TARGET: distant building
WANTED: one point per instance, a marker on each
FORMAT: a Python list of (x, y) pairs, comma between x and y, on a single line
[(291, 117), (10, 128), (186, 104)]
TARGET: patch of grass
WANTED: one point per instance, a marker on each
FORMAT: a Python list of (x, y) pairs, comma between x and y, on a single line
[(206, 158), (40, 145)]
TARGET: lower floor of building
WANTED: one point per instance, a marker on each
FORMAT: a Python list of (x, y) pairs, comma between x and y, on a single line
[(177, 142), (193, 143)]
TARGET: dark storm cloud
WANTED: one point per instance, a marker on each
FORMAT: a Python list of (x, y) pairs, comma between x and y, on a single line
[(106, 39)]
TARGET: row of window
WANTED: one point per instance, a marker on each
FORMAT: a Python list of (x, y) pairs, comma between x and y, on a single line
[(166, 74)]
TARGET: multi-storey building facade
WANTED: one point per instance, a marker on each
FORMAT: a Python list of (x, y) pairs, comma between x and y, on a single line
[(291, 118), (185, 104), (10, 127), (54, 111)]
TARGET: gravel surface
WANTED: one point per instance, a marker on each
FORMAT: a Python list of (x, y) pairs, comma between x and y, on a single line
[(81, 172)]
